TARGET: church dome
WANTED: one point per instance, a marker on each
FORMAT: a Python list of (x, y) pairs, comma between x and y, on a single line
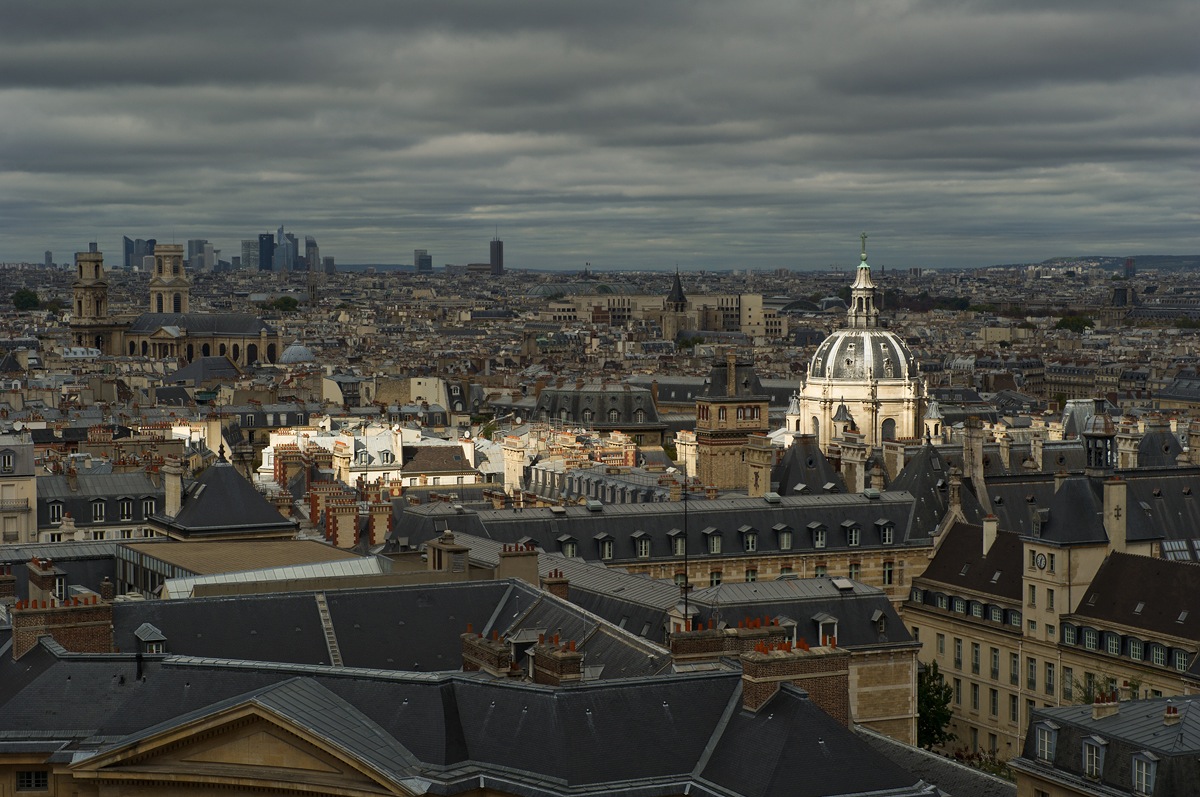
[(297, 352), (870, 353)]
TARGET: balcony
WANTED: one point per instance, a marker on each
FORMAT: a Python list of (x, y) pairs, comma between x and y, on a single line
[(14, 505)]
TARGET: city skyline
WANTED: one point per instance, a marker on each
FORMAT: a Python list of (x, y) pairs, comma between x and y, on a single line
[(698, 135)]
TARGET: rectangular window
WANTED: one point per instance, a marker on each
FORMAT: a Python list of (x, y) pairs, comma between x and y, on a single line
[(1158, 654), (1014, 709), (1091, 759), (1068, 635), (126, 509), (975, 658), (1112, 644), (56, 513), (1031, 673), (941, 644), (818, 538), (820, 571), (1050, 562), (714, 543), (785, 541), (33, 780), (1143, 775), (852, 536), (888, 573), (855, 571), (1033, 594), (6, 463), (1045, 744), (975, 697), (643, 547), (714, 578), (957, 653), (751, 574), (750, 542), (885, 535), (1089, 638), (1135, 649), (993, 702), (958, 691), (1181, 661), (1014, 668), (1049, 678), (98, 512), (995, 663), (678, 546), (1032, 559), (1068, 691), (1049, 600), (997, 614), (606, 549)]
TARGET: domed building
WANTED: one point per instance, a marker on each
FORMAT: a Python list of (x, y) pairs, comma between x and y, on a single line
[(862, 378)]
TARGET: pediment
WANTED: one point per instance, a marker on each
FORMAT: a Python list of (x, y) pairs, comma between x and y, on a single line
[(246, 749)]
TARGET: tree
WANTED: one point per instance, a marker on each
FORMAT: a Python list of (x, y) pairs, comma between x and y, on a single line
[(25, 299), (933, 707), (1075, 323)]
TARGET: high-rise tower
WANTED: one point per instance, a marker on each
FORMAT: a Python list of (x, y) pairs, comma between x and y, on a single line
[(497, 259)]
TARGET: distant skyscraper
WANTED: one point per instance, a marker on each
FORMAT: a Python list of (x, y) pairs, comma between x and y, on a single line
[(266, 251), (195, 252), (49, 259), (250, 254), (422, 260), (135, 250), (497, 259), (312, 254), (328, 263)]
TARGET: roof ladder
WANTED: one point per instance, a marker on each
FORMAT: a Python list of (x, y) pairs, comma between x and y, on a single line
[(335, 653)]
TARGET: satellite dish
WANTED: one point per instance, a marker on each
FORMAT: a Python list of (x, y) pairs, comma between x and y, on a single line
[(517, 420)]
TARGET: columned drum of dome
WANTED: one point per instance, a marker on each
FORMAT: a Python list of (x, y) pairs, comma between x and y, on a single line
[(862, 378)]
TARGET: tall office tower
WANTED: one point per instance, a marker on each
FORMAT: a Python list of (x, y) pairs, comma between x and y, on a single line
[(327, 261), (250, 254), (266, 251), (127, 249), (312, 254), (296, 261), (195, 252), (49, 259), (285, 252), (422, 260), (497, 259)]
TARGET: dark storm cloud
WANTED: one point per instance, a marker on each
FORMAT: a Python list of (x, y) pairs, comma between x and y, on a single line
[(625, 133)]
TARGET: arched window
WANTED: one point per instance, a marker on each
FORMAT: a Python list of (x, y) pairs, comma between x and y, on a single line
[(158, 264), (252, 352), (588, 415), (205, 350), (191, 353), (270, 352), (221, 350), (236, 351), (639, 416), (614, 415), (145, 348), (175, 265), (889, 429)]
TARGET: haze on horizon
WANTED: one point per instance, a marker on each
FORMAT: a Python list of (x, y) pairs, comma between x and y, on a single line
[(630, 135)]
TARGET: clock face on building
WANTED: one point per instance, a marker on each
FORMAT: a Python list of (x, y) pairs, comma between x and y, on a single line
[(1041, 561)]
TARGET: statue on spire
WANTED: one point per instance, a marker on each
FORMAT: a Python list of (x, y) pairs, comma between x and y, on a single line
[(863, 256)]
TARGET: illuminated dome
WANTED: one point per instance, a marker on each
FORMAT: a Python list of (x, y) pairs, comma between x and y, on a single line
[(862, 354)]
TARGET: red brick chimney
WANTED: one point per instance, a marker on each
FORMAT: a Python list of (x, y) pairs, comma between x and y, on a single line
[(107, 589), (81, 625), (8, 582), (556, 665), (822, 672), (380, 513), (710, 644), (557, 584), (492, 656)]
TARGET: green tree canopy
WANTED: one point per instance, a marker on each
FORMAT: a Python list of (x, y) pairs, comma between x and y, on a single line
[(933, 707), (26, 299), (1075, 323)]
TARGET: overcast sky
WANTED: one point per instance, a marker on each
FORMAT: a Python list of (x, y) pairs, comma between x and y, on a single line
[(627, 133)]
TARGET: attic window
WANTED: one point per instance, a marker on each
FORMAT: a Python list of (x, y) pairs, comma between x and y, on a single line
[(964, 570), (1030, 499), (1092, 599), (998, 500), (1182, 616), (1187, 490), (996, 577), (1138, 609), (1157, 492)]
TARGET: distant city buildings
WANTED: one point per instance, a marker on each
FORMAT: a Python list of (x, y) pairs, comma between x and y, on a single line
[(250, 254), (266, 251), (136, 250), (422, 261), (497, 257)]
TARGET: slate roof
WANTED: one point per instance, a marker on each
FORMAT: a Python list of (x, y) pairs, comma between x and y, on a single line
[(642, 737), (661, 522), (805, 464), (201, 324), (204, 369), (1156, 595), (221, 501), (436, 459), (945, 773), (960, 563)]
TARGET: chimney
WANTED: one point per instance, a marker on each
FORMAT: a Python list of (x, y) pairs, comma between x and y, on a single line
[(72, 479), (1115, 510), (8, 582), (81, 625), (674, 490), (172, 471), (447, 556), (557, 584), (380, 521), (492, 656), (822, 672), (1171, 715), (519, 560), (107, 589), (973, 457), (1105, 705), (557, 665), (991, 525), (731, 374)]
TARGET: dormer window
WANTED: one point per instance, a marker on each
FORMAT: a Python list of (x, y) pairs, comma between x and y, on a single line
[(852, 533), (569, 546), (714, 539), (56, 512), (678, 542), (827, 628), (97, 511), (6, 462), (887, 531), (1145, 767), (641, 544), (606, 549), (1047, 740), (818, 534), (126, 509), (1093, 756), (749, 539)]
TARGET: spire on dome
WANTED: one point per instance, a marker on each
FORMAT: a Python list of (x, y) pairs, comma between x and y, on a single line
[(863, 313)]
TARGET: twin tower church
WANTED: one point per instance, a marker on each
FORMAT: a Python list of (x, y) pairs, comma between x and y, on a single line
[(169, 330)]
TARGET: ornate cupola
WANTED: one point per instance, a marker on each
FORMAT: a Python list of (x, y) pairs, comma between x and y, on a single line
[(863, 314)]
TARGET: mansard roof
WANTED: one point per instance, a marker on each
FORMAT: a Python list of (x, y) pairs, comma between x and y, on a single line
[(202, 324), (960, 563)]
